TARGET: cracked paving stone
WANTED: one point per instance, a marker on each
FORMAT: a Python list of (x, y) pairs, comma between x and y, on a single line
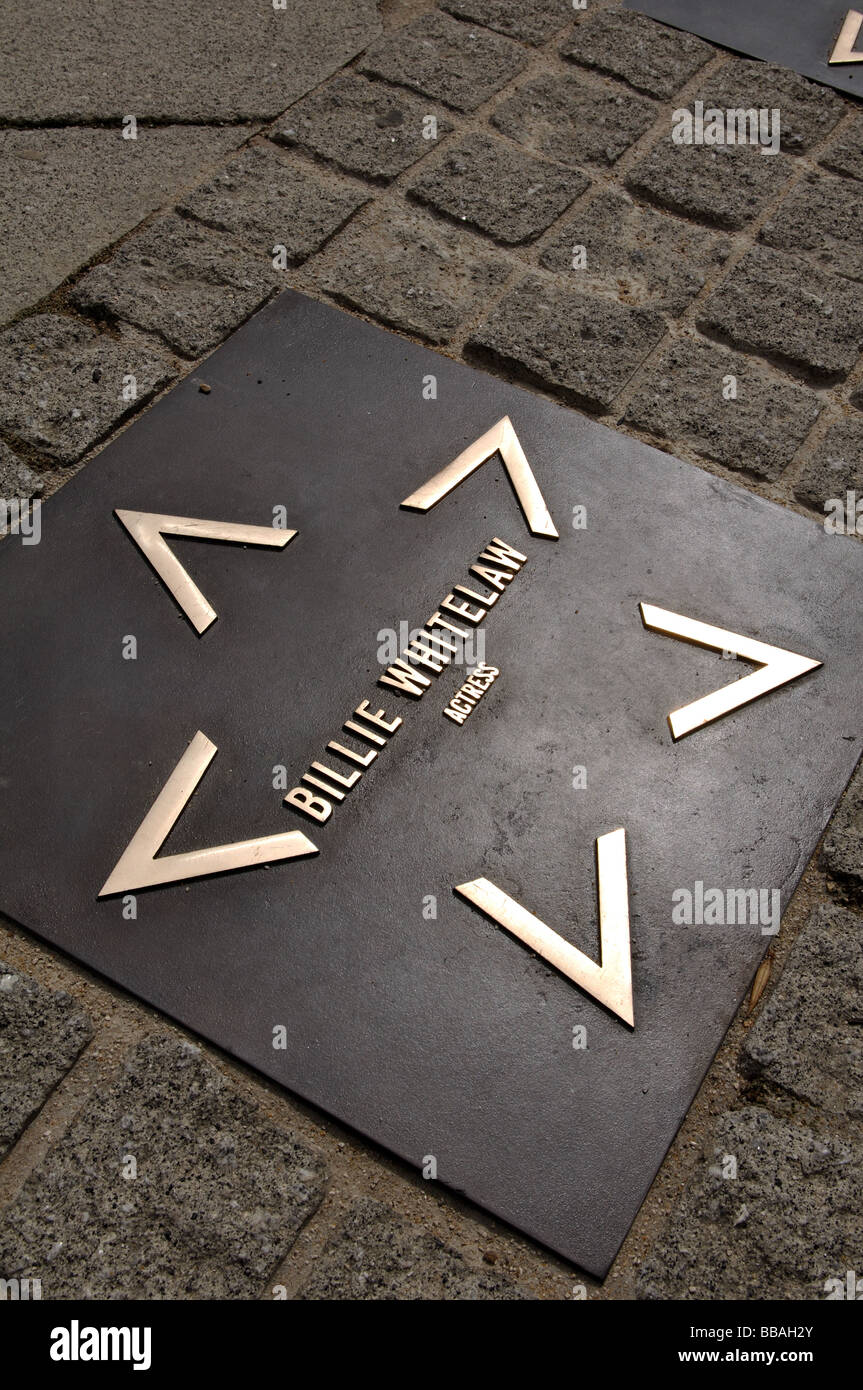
[(786, 1224), (757, 433), (218, 1197), (363, 127), (642, 256), (489, 185), (445, 60), (42, 1033), (845, 154), (411, 273), (783, 308), (835, 468), (581, 346), (649, 56), (16, 479), (808, 111), (533, 21), (379, 1255), (821, 218), (842, 848), (573, 120), (181, 280), (62, 382), (808, 1038), (724, 185)]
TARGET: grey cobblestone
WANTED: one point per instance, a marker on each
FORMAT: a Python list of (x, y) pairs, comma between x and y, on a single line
[(579, 345), (42, 1032), (448, 61), (822, 218), (61, 382), (500, 190), (649, 56), (16, 479), (723, 185), (842, 848), (218, 1197), (836, 467), (808, 111), (572, 120), (534, 21), (845, 153), (756, 433)]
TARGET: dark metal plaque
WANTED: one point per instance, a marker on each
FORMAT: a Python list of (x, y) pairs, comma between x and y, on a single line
[(440, 1036)]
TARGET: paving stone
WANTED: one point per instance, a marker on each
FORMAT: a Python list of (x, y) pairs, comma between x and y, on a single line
[(42, 1032), (644, 257), (573, 120), (534, 21), (238, 60), (412, 273), (842, 847), (649, 56), (808, 1038), (758, 433), (182, 281), (584, 347), (808, 111), (265, 199), (61, 382), (822, 218), (363, 127), (786, 1224), (836, 467), (378, 1255), (724, 185), (448, 61), (16, 479), (67, 194), (510, 195), (845, 153), (782, 307), (219, 1195)]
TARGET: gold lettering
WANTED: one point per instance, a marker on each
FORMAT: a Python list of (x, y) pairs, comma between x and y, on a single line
[(347, 782), (488, 599), (362, 712), (404, 678), (314, 806), (324, 786), (496, 578), (502, 554), (352, 756), (424, 656), (438, 620), (463, 610)]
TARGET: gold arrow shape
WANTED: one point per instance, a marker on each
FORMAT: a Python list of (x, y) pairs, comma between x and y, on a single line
[(502, 439), (778, 667), (610, 982), (146, 530), (845, 52), (138, 866)]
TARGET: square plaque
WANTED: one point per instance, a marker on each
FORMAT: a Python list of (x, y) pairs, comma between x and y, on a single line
[(482, 1035)]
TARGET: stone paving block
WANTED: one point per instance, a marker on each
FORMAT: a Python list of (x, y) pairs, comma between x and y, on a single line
[(845, 153), (573, 120), (238, 60), (182, 281), (509, 195), (644, 257), (378, 1255), (455, 63), (724, 185), (782, 307), (786, 1224), (836, 467), (264, 198), (364, 127), (649, 56), (842, 847), (534, 21), (412, 273), (808, 111), (584, 347), (757, 433), (808, 1038), (67, 194), (218, 1197), (16, 479), (821, 218), (42, 1032), (62, 382)]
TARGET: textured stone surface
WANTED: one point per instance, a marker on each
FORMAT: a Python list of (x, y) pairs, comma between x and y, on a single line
[(181, 280), (808, 111), (758, 433), (808, 1038), (585, 347), (378, 1255), (573, 120), (836, 467), (219, 1196), (845, 153), (649, 56), (788, 1222), (410, 272), (823, 219), (42, 1032), (725, 185), (780, 306), (534, 21), (61, 382), (510, 195), (451, 62), (643, 257), (66, 194), (842, 848), (16, 479), (264, 198), (363, 127), (243, 59)]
